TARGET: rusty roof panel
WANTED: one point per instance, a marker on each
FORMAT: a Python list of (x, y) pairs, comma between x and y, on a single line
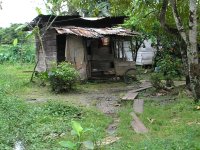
[(94, 32), (86, 32)]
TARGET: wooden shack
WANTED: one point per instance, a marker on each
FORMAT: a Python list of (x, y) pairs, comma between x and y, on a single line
[(95, 46)]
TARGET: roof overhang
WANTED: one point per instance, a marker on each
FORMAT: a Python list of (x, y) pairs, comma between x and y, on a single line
[(95, 32), (89, 22)]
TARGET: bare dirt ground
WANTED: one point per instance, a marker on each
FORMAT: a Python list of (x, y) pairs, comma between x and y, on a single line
[(103, 96)]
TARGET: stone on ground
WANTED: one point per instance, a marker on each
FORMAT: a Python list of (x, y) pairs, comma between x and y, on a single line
[(138, 106), (111, 130), (108, 140)]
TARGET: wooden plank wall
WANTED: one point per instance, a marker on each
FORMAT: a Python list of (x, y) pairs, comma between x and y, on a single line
[(50, 46)]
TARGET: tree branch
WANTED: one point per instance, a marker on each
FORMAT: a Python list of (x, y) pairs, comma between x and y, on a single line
[(178, 21), (149, 13), (163, 12), (162, 17)]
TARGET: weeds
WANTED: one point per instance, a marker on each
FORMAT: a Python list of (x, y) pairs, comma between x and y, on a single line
[(60, 109)]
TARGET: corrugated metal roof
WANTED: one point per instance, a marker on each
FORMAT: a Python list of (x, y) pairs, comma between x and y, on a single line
[(94, 32)]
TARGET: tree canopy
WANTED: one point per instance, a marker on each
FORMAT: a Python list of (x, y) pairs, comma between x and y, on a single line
[(7, 35)]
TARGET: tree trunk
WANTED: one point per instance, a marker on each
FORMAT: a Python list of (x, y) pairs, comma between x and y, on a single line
[(182, 43), (183, 51), (192, 51), (191, 42)]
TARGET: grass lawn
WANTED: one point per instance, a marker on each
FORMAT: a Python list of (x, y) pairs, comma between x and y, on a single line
[(173, 124)]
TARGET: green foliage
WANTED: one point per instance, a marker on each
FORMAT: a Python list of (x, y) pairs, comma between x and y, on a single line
[(168, 144), (37, 125), (38, 10), (61, 109), (142, 15), (12, 111), (31, 124), (170, 67), (15, 42), (9, 34), (77, 129), (56, 7), (37, 128), (15, 46), (43, 77), (90, 8), (18, 53), (68, 144), (156, 80), (79, 132), (63, 77), (178, 129)]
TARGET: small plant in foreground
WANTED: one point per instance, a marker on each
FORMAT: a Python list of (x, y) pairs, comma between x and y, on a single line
[(63, 77), (78, 131)]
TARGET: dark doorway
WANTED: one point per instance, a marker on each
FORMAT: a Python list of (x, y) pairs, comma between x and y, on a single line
[(61, 42), (102, 59)]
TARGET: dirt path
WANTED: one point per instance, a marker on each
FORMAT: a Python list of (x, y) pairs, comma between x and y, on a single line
[(106, 100)]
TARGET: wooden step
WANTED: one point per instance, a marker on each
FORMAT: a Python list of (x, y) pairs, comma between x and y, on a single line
[(130, 96), (141, 89), (137, 125)]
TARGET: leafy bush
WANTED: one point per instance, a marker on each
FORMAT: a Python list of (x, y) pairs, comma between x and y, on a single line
[(170, 68), (63, 77), (156, 80)]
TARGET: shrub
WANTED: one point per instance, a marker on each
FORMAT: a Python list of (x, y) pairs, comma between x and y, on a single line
[(63, 77), (156, 81), (170, 67)]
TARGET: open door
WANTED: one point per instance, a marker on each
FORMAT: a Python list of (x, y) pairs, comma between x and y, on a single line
[(61, 42), (101, 58)]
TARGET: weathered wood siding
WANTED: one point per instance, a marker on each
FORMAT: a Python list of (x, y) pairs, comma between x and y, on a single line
[(74, 52), (50, 47)]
